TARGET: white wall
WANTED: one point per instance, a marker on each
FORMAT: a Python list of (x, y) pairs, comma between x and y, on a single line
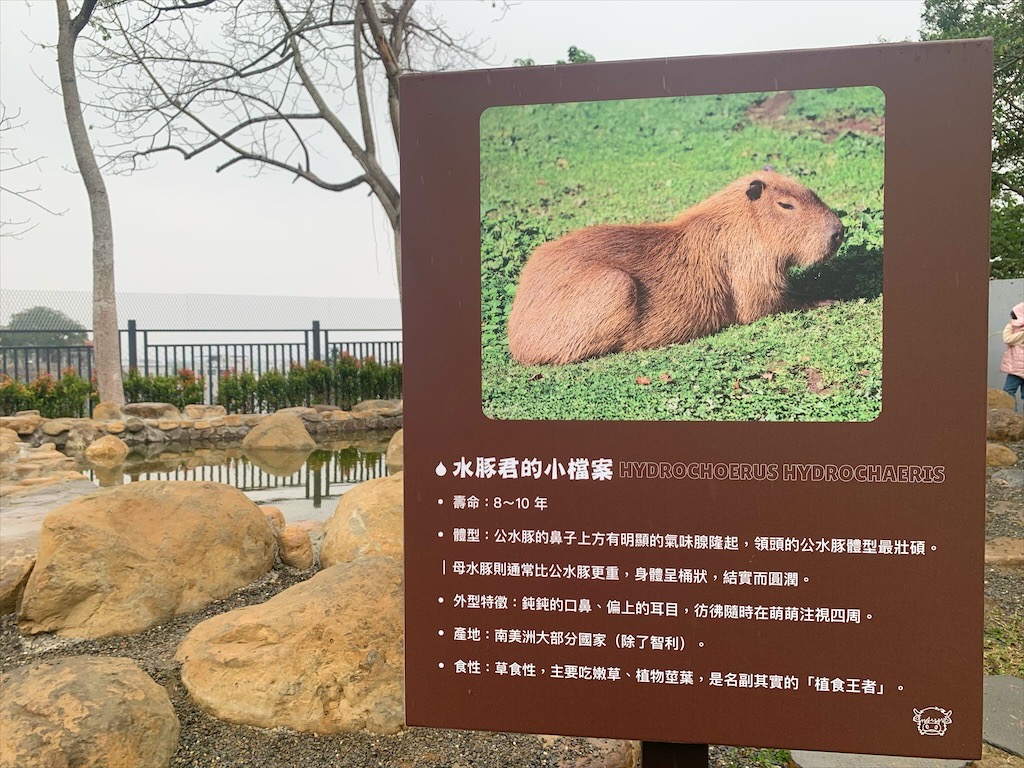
[(1002, 296)]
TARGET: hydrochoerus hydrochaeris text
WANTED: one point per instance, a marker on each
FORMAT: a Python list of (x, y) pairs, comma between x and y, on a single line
[(612, 288)]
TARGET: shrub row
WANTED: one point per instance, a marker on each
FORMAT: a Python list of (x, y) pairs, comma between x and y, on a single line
[(342, 381), (67, 396), (184, 388)]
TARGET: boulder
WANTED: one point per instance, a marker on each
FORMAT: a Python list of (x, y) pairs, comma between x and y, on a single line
[(9, 450), (377, 405), (108, 451), (56, 427), (164, 411), (106, 412), (997, 455), (85, 712), (998, 398), (279, 432), (395, 456), (1005, 426), (198, 411), (322, 656), (9, 435), (23, 422), (14, 573), (367, 521), (275, 517), (316, 530), (338, 415), (134, 424), (123, 559), (296, 548), (80, 437)]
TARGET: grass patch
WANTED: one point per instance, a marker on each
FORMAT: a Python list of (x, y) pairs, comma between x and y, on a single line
[(549, 169), (745, 757), (1004, 643)]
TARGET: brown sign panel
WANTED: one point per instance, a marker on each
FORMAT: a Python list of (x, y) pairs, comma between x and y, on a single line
[(664, 480)]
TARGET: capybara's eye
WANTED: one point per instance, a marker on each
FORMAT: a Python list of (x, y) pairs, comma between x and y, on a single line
[(787, 206)]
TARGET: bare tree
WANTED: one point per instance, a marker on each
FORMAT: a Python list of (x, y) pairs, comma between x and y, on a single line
[(10, 163), (104, 296), (283, 84)]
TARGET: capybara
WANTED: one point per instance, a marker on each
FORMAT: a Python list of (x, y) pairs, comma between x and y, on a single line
[(611, 288)]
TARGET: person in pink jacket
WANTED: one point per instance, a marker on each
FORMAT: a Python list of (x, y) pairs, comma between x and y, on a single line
[(1013, 357)]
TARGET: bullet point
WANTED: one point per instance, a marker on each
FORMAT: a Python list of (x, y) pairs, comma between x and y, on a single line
[(440, 633), (440, 599), (440, 665), (440, 534), (440, 501)]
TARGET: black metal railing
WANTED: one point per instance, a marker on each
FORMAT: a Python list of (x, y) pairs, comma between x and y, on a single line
[(208, 353)]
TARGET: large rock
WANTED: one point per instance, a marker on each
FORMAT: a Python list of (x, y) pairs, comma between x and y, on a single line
[(998, 398), (296, 548), (23, 422), (997, 455), (107, 412), (198, 411), (14, 573), (377, 405), (1005, 426), (123, 559), (367, 521), (323, 656), (85, 712), (395, 456), (9, 449), (279, 432), (164, 411), (108, 451)]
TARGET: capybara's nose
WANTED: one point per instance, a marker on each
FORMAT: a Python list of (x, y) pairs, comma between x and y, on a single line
[(837, 235)]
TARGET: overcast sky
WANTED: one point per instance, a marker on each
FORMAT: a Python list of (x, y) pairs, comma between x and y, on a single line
[(179, 227)]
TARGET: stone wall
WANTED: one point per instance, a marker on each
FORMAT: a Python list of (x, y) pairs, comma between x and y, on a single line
[(199, 426)]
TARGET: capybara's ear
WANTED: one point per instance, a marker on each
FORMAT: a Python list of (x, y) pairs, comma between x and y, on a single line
[(755, 189)]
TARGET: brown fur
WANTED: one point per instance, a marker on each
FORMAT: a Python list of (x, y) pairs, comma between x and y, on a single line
[(611, 288)]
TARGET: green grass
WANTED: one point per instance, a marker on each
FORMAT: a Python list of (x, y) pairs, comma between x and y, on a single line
[(1004, 643), (549, 169), (744, 757)]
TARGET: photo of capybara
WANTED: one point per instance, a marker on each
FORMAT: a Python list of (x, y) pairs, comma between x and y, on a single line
[(724, 261)]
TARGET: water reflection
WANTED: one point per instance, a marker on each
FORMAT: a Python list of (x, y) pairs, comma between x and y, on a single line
[(303, 486)]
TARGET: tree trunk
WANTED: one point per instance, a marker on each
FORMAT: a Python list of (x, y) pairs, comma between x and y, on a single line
[(104, 298), (398, 262)]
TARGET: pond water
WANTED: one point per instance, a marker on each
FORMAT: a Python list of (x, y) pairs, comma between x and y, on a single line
[(302, 487)]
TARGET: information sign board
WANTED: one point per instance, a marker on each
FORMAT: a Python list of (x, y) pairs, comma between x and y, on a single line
[(666, 478)]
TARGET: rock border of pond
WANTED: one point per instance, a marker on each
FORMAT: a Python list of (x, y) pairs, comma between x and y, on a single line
[(198, 426)]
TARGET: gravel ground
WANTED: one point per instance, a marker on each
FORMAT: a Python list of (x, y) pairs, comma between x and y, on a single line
[(207, 742)]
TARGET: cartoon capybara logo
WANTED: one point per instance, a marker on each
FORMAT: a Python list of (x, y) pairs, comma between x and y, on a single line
[(933, 721)]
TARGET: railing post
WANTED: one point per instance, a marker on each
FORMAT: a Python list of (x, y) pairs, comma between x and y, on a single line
[(316, 339), (133, 349)]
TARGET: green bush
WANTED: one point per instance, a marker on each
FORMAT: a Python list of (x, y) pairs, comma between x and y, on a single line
[(272, 391), (67, 396), (14, 396), (237, 391), (184, 388), (342, 381)]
